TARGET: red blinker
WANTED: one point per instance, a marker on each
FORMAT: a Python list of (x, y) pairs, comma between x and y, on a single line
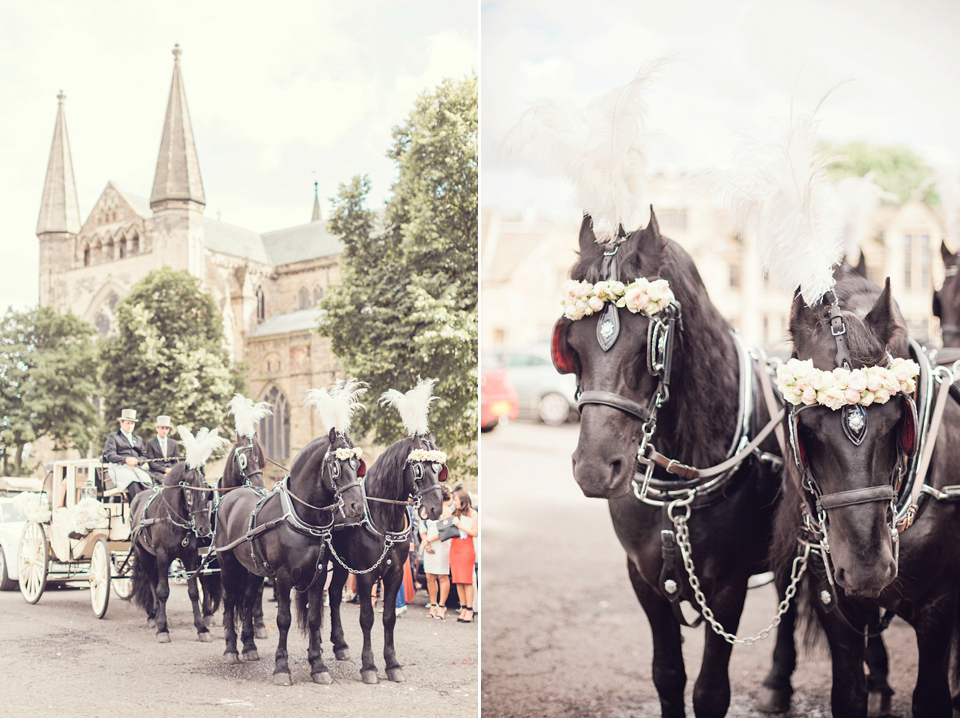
[(443, 474), (362, 469), (564, 360), (908, 428)]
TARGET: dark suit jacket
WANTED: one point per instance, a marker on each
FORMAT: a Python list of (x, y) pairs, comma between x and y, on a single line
[(117, 448), (153, 452)]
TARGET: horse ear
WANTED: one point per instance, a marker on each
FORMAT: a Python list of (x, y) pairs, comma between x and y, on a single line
[(648, 245), (332, 436), (802, 320), (431, 437), (946, 254), (589, 248), (882, 318), (861, 267)]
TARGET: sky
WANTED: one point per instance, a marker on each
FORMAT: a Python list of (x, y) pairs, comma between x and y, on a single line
[(735, 67), (281, 95)]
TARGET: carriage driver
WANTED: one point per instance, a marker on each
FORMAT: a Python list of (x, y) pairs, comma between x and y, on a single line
[(163, 450), (124, 449)]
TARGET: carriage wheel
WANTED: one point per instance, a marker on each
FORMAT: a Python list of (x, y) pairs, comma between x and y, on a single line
[(33, 559), (122, 584), (100, 578)]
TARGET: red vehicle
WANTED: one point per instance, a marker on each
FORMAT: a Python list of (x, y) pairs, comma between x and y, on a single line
[(498, 398)]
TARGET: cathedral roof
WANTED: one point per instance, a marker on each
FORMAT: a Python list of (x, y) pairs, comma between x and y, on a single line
[(235, 241), (178, 169), (59, 209), (298, 321), (297, 244)]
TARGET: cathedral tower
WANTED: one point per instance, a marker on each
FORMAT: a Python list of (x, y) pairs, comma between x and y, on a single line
[(59, 220), (177, 199)]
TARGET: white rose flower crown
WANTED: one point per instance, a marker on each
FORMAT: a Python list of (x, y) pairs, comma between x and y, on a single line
[(640, 296), (802, 383)]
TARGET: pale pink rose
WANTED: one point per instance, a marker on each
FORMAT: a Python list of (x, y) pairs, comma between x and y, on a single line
[(587, 310), (573, 310), (617, 287), (596, 304), (852, 396), (636, 300), (867, 398), (904, 370), (842, 376), (874, 381), (582, 289), (809, 396), (890, 381), (857, 380), (909, 386), (882, 396), (823, 381), (832, 398)]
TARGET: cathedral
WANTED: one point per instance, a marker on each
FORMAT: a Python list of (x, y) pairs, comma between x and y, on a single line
[(266, 285)]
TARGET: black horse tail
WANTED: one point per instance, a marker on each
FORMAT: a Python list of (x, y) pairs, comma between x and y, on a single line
[(212, 590), (303, 610), (144, 578)]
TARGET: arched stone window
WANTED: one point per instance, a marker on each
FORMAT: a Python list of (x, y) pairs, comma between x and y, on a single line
[(135, 244), (108, 254), (122, 249), (275, 429), (304, 298), (86, 256), (261, 305), (317, 295), (102, 323)]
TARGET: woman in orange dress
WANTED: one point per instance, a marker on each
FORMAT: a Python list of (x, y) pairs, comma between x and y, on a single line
[(463, 555)]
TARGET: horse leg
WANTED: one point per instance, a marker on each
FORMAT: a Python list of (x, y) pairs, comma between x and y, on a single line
[(231, 580), (190, 563), (212, 593), (934, 627), (711, 692), (259, 627), (251, 588), (392, 584), (669, 675), (281, 670), (878, 689), (340, 648), (848, 695), (163, 593), (777, 688), (368, 668), (318, 670)]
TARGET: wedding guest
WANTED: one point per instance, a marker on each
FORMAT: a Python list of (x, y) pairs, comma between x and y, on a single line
[(463, 555)]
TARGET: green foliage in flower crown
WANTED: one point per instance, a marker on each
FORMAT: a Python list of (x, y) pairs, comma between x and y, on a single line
[(407, 302), (167, 356), (47, 382)]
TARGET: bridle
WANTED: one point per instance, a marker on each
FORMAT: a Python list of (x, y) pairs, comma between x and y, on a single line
[(418, 475), (240, 457)]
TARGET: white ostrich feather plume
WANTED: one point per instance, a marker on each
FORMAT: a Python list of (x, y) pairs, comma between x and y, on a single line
[(948, 187), (783, 195), (599, 148), (414, 406), (199, 448), (858, 198), (247, 414), (337, 405)]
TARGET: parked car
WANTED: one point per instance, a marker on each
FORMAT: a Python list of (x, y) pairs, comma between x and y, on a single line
[(542, 393), (11, 527), (498, 398)]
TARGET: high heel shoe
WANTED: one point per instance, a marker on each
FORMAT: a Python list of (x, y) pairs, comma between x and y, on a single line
[(432, 610), (441, 612), (466, 620)]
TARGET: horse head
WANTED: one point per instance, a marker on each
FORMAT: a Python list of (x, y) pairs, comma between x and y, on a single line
[(196, 501), (946, 300), (423, 472), (619, 378), (248, 461), (853, 429), (340, 472)]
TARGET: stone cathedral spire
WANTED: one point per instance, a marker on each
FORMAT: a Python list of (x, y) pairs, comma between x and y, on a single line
[(177, 181), (317, 214), (59, 210)]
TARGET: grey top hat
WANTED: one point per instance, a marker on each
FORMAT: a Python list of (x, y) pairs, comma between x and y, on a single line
[(127, 415), (164, 420)]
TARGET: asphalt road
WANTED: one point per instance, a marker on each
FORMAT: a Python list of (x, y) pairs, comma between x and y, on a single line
[(58, 659), (563, 633)]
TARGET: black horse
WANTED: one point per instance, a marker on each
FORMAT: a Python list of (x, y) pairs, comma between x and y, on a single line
[(172, 522), (678, 381), (244, 467), (946, 300), (884, 532), (284, 534), (378, 547)]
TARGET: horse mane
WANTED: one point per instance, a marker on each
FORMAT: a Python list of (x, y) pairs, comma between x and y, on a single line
[(704, 383), (384, 480)]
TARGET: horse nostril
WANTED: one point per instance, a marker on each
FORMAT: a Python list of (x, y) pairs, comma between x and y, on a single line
[(615, 466), (841, 576)]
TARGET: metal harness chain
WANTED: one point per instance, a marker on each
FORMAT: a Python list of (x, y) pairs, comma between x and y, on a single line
[(388, 542), (683, 541)]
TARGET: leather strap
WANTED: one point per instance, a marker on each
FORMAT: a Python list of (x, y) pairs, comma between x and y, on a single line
[(616, 401), (856, 496)]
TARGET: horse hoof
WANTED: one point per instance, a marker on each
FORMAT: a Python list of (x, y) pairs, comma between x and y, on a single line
[(323, 678), (282, 679), (878, 704), (259, 632), (231, 658), (151, 623), (395, 675), (342, 654), (163, 637), (774, 700), (369, 677), (204, 637), (251, 656)]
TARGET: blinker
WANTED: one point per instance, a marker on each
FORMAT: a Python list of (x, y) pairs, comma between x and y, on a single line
[(564, 359)]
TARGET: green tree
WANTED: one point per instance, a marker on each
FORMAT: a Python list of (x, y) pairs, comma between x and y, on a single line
[(47, 382), (407, 302), (897, 170), (167, 355)]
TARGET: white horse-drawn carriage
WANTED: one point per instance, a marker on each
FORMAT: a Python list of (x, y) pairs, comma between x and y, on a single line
[(78, 531)]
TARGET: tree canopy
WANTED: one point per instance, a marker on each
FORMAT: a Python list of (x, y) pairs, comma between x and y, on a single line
[(407, 302), (896, 169), (47, 382), (167, 355)]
